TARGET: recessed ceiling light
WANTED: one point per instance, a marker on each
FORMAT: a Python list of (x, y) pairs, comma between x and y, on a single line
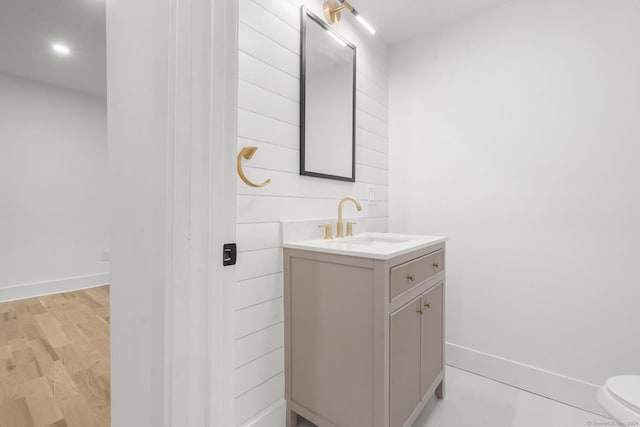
[(61, 49)]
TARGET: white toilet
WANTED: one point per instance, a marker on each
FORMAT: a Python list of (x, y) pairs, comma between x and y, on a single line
[(620, 397)]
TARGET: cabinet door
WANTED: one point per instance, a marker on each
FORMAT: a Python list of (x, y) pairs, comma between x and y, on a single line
[(405, 361), (432, 336)]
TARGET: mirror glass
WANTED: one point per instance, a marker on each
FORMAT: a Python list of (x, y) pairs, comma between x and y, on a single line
[(327, 102)]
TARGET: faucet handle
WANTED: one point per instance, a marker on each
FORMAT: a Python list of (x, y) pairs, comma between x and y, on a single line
[(350, 228), (327, 231)]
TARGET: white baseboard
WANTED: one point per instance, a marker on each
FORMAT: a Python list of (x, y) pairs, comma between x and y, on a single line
[(272, 416), (561, 388), (31, 290)]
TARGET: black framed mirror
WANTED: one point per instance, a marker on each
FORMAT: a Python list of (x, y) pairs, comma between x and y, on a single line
[(327, 102)]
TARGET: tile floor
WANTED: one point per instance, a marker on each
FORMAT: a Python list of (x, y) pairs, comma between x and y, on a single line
[(474, 401)]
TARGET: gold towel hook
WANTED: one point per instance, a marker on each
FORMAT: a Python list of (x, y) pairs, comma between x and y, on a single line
[(247, 153)]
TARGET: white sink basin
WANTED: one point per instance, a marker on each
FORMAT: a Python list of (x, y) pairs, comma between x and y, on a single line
[(374, 240), (368, 245)]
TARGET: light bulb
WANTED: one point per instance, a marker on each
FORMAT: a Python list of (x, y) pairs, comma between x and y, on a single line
[(365, 24)]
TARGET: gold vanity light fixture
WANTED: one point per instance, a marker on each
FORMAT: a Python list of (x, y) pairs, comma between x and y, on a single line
[(332, 9)]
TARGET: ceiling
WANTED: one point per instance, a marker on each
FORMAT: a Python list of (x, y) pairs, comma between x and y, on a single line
[(397, 20), (27, 29)]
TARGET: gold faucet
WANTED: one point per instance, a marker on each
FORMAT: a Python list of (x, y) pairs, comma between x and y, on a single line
[(340, 231)]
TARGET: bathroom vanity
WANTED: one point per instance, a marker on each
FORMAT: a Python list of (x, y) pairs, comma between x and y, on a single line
[(363, 329)]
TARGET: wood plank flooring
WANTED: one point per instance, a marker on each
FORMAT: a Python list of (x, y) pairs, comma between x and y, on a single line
[(54, 360)]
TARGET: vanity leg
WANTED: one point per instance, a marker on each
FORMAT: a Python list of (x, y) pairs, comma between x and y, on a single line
[(440, 390), (292, 418)]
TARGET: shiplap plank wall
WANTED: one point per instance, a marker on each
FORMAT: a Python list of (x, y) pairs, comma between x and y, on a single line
[(268, 117)]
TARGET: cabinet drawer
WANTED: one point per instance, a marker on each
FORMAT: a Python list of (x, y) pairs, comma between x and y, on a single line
[(405, 277)]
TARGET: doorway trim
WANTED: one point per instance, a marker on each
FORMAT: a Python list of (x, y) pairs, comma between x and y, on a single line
[(172, 105)]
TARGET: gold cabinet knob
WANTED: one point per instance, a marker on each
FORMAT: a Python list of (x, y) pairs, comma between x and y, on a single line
[(427, 304), (327, 231), (410, 277), (420, 310), (436, 265)]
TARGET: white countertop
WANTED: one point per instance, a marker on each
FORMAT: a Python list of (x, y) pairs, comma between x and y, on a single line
[(369, 245)]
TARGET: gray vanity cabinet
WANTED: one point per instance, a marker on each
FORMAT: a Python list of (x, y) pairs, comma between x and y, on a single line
[(363, 336), (431, 337), (416, 347), (405, 361)]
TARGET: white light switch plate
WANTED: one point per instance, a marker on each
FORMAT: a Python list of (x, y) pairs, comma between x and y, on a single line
[(371, 196)]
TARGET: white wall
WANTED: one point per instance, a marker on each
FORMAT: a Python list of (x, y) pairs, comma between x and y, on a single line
[(516, 134), (268, 118), (53, 189)]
